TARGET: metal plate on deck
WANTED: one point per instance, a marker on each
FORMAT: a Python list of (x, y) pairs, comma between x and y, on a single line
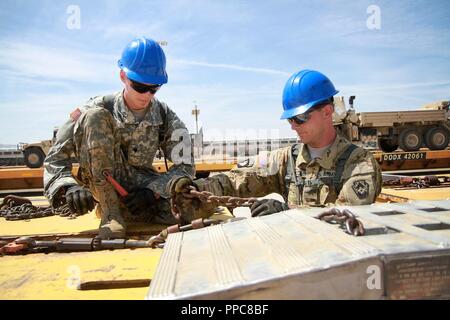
[(418, 276), (293, 255)]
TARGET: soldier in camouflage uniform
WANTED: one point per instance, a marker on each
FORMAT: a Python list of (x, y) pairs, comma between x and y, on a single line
[(121, 133), (323, 169)]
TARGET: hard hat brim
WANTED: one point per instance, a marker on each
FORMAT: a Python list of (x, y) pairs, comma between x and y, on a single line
[(289, 113), (146, 79)]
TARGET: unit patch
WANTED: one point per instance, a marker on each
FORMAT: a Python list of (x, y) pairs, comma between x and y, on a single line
[(75, 114), (361, 188)]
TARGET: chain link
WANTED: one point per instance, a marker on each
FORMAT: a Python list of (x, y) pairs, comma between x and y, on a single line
[(15, 208), (225, 201), (345, 218)]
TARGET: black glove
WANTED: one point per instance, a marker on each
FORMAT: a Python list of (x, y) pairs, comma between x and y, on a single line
[(267, 206), (140, 200), (79, 199), (184, 206)]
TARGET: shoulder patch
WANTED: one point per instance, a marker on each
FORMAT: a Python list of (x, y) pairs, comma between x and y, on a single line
[(74, 115), (361, 188)]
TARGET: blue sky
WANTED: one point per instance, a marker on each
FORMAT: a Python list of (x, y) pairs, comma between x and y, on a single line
[(231, 57)]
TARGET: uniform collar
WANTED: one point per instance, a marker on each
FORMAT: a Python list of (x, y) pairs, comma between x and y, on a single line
[(329, 157), (153, 116)]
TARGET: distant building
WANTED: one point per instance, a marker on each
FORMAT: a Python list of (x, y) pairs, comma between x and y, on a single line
[(244, 148)]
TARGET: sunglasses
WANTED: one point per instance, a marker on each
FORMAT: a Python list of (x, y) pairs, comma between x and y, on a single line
[(300, 118), (143, 88), (303, 118)]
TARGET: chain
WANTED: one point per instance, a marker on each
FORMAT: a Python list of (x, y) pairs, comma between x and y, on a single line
[(418, 183), (225, 201), (345, 218), (159, 240), (15, 208)]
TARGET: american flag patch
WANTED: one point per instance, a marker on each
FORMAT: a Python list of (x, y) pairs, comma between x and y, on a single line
[(75, 114)]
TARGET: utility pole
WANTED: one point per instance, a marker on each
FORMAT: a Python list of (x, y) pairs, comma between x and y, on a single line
[(196, 112)]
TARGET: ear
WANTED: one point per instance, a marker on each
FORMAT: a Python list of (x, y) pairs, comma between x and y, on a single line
[(123, 76), (328, 110)]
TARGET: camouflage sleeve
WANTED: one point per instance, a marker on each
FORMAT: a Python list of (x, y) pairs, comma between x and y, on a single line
[(361, 179), (58, 165), (177, 148), (253, 178)]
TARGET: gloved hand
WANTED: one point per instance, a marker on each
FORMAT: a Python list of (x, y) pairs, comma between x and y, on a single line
[(180, 184), (79, 199), (265, 207), (140, 200), (185, 207)]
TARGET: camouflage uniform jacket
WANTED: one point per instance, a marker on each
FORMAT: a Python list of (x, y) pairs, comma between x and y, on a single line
[(268, 173), (139, 143)]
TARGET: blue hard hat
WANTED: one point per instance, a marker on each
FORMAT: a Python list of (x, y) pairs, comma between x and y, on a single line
[(304, 90), (144, 61)]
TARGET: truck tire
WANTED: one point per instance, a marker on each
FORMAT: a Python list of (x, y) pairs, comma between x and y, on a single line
[(437, 138), (33, 157), (386, 145), (410, 139)]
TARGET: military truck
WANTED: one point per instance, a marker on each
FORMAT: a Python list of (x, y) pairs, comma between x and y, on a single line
[(35, 153), (409, 130)]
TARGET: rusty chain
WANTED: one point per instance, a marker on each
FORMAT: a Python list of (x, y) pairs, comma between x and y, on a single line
[(159, 240), (345, 218), (225, 201), (15, 208), (419, 183)]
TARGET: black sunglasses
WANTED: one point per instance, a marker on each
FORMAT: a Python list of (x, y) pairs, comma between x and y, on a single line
[(143, 88), (302, 118)]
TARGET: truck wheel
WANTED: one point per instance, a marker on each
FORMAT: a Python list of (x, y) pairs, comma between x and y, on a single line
[(437, 138), (33, 157), (386, 145), (410, 140)]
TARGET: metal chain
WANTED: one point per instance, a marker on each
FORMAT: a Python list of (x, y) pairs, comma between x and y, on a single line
[(418, 183), (159, 240), (225, 201), (15, 208), (345, 218)]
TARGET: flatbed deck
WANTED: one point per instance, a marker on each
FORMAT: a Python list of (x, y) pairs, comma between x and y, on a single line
[(117, 274)]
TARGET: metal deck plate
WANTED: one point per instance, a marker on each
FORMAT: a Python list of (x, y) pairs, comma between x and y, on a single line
[(292, 255)]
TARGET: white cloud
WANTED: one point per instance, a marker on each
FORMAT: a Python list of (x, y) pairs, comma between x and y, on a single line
[(32, 60), (229, 66)]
